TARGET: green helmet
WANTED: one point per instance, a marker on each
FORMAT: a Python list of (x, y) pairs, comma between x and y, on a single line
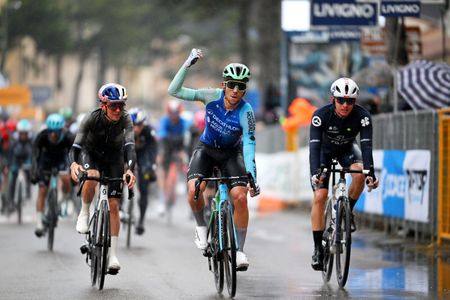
[(236, 71), (66, 112)]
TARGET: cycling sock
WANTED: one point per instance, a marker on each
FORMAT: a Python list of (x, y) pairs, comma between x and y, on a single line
[(352, 203), (200, 217), (241, 235), (317, 235), (39, 215), (85, 206), (113, 245)]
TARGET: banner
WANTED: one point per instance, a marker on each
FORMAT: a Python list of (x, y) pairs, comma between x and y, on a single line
[(345, 12), (404, 185)]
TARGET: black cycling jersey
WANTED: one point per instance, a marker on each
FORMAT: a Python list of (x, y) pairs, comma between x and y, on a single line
[(103, 137), (146, 147), (45, 150), (336, 135), (20, 153)]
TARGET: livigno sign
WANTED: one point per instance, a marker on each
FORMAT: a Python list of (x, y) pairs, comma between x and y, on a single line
[(400, 8), (338, 13)]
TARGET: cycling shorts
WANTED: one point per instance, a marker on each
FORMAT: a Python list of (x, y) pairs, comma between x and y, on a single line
[(346, 158), (110, 165), (45, 166), (229, 161)]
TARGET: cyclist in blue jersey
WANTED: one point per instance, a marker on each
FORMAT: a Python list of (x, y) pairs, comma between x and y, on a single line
[(171, 133), (228, 141), (333, 131)]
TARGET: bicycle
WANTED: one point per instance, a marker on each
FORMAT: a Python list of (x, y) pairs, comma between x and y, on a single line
[(221, 233), (129, 219), (98, 237), (18, 194), (337, 237), (51, 208)]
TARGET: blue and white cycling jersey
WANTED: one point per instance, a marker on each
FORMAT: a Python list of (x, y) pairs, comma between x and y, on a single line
[(224, 129)]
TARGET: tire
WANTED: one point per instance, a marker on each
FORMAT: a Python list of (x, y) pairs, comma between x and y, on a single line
[(19, 201), (343, 245), (229, 247), (327, 242), (129, 221), (104, 241), (52, 217), (93, 247), (217, 258)]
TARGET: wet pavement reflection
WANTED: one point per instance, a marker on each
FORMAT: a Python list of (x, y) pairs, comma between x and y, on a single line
[(404, 271)]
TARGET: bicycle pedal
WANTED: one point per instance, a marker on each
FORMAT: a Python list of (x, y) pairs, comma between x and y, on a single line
[(84, 249)]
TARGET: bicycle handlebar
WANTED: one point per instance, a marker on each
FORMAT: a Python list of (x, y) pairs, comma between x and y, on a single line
[(200, 179), (103, 180), (368, 173)]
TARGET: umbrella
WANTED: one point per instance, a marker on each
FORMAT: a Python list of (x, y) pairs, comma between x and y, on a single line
[(425, 85)]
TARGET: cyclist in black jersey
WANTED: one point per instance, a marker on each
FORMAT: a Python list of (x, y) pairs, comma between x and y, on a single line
[(333, 132), (146, 151), (105, 136), (50, 149)]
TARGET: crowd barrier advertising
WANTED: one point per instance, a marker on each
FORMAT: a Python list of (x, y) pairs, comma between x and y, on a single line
[(404, 185), (403, 191)]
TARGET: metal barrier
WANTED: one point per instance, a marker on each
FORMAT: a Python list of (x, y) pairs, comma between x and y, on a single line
[(403, 131), (444, 175)]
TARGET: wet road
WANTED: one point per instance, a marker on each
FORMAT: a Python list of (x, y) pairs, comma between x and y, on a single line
[(164, 264)]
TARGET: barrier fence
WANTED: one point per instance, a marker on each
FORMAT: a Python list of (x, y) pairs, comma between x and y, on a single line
[(401, 132)]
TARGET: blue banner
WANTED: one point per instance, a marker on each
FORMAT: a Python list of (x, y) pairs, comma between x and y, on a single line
[(400, 8), (341, 13)]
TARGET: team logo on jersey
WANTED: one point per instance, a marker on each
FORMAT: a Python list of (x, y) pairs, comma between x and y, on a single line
[(316, 121), (365, 122)]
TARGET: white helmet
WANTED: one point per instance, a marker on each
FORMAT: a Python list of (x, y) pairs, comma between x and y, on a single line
[(344, 87)]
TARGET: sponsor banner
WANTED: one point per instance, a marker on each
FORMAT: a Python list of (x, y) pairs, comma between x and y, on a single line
[(417, 169), (345, 12), (400, 8), (338, 35), (404, 185), (325, 36)]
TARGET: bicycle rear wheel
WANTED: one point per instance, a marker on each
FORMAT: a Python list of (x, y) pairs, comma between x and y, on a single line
[(217, 258), (229, 247), (51, 218), (19, 194), (103, 244), (327, 242), (343, 242)]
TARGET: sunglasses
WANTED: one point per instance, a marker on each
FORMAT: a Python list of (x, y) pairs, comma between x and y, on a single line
[(115, 106), (242, 86), (55, 131), (349, 101)]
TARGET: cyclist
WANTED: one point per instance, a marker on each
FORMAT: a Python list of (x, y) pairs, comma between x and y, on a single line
[(172, 130), (333, 132), (105, 136), (50, 149), (20, 156), (146, 151), (67, 114), (228, 142)]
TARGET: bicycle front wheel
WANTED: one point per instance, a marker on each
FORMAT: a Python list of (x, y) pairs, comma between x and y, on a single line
[(52, 216), (103, 241), (343, 242), (229, 250), (217, 258), (94, 253), (129, 222), (327, 242), (19, 194)]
